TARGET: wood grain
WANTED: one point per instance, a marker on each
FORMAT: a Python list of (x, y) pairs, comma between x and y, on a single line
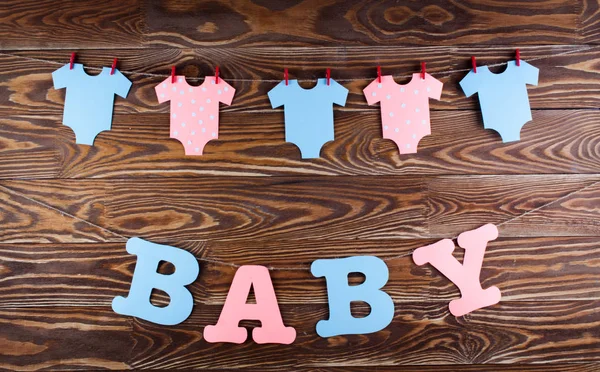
[(250, 144), (338, 22), (92, 274), (51, 24)]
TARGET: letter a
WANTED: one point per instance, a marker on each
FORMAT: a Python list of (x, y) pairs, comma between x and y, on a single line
[(465, 276), (146, 278), (340, 294), (266, 310)]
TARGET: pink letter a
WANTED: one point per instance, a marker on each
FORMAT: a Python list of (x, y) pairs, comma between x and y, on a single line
[(465, 276), (266, 310)]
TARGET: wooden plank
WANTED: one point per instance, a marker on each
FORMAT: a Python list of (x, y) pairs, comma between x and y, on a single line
[(555, 367), (420, 333), (64, 338), (250, 144), (566, 80), (553, 205), (53, 211), (349, 23), (525, 269), (28, 149), (70, 24), (267, 208)]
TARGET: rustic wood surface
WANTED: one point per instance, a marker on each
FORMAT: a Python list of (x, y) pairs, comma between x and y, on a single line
[(66, 210)]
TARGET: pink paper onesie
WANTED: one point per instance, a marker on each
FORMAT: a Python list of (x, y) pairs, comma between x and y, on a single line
[(194, 110), (404, 108)]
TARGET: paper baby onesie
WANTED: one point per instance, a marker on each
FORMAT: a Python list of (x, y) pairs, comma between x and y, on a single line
[(308, 113), (194, 110), (404, 108), (503, 97), (89, 99)]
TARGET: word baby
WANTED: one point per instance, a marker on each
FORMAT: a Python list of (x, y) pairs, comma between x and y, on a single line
[(340, 294)]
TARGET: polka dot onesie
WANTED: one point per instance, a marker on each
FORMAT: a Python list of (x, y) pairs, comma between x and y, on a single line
[(404, 108), (194, 110)]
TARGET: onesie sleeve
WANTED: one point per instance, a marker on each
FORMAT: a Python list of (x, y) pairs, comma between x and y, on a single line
[(277, 95), (433, 87), (529, 73), (470, 83), (163, 90), (339, 92), (225, 92), (60, 77), (121, 84), (370, 92)]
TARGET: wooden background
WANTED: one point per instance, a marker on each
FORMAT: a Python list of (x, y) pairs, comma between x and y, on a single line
[(66, 209)]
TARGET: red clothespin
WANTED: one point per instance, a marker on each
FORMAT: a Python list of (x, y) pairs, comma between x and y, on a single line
[(72, 60), (518, 58), (328, 74), (114, 66), (217, 75), (173, 75), (423, 70), (379, 74), (474, 63), (285, 75)]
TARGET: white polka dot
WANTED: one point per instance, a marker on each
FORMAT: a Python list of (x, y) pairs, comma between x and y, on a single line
[(194, 133), (214, 134), (183, 124), (203, 130), (408, 145), (414, 135), (379, 85), (208, 100), (428, 89), (391, 114), (164, 85), (189, 142), (179, 80), (416, 91), (162, 95), (197, 149), (373, 94), (175, 133), (201, 108), (402, 90), (200, 122), (385, 127), (397, 130), (403, 105), (212, 117), (203, 89), (174, 115), (423, 121), (190, 90), (193, 101), (174, 89), (193, 114), (408, 122), (212, 82), (226, 89), (219, 91), (417, 109), (388, 96), (181, 92), (179, 104)]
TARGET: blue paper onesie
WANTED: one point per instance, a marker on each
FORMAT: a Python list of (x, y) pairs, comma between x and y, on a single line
[(89, 99), (503, 97), (308, 113)]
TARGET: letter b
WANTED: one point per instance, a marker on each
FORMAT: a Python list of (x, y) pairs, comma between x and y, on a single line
[(341, 295), (146, 278)]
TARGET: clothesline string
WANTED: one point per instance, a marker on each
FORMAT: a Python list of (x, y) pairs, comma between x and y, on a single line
[(164, 76), (123, 238)]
